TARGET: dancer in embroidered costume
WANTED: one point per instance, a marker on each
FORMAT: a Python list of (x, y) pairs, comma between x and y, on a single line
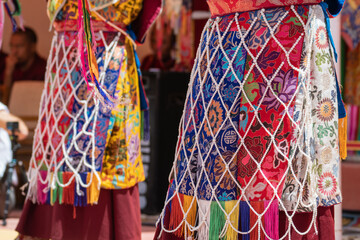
[(258, 150), (86, 157)]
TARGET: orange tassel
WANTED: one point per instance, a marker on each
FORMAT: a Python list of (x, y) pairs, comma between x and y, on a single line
[(93, 191), (191, 212), (343, 137)]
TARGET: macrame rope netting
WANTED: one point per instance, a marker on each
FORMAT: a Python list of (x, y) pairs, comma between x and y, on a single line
[(60, 91), (301, 129)]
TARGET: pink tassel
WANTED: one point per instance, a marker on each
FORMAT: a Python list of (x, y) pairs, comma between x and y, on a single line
[(41, 195), (2, 14), (272, 219)]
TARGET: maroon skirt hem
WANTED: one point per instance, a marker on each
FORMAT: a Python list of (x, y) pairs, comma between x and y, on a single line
[(116, 216)]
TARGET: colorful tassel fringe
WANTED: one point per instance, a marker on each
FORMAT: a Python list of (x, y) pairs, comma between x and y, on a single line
[(57, 192), (73, 194), (258, 206), (53, 191), (217, 220), (272, 219), (231, 234), (190, 208), (221, 220), (93, 191), (41, 189), (176, 217), (245, 219), (80, 192), (60, 190), (343, 137), (204, 219), (68, 191)]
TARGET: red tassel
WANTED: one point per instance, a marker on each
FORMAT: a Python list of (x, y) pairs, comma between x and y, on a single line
[(176, 215), (258, 206), (69, 191)]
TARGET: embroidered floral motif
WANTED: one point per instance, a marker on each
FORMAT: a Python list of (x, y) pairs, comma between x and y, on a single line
[(326, 155), (325, 110), (321, 39), (215, 116), (283, 85), (327, 184)]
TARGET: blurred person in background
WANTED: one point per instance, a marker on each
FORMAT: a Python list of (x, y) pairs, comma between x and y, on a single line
[(23, 61)]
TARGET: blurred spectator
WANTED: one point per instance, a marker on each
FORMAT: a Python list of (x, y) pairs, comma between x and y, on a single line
[(5, 143), (6, 155), (23, 62)]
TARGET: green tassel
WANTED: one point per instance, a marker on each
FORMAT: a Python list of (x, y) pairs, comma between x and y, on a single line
[(60, 189), (17, 8), (217, 220)]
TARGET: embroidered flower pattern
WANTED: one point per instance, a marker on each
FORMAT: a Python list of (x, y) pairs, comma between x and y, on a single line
[(321, 40), (284, 87), (215, 117), (326, 155), (325, 110), (327, 184)]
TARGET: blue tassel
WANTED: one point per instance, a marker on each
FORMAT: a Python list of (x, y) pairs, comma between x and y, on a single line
[(81, 201), (170, 193), (245, 219), (48, 197), (341, 106), (13, 21), (324, 7)]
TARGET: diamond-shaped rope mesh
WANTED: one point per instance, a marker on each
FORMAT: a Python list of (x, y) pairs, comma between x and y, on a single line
[(244, 151), (67, 135)]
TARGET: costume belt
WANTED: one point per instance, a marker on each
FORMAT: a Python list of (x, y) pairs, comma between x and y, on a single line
[(219, 8), (72, 25)]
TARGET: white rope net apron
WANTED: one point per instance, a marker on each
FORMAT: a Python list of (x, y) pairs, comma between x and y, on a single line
[(72, 130), (259, 134)]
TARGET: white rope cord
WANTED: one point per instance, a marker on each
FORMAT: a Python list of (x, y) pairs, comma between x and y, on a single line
[(64, 58), (302, 128)]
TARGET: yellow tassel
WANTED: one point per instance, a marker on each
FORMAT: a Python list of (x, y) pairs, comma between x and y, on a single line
[(52, 191), (190, 202), (343, 137), (231, 234), (93, 191)]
